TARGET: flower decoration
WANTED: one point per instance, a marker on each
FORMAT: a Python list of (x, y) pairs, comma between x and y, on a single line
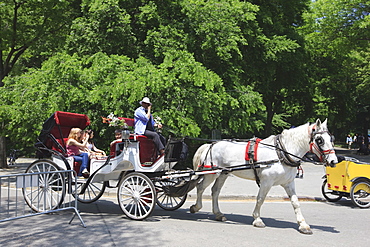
[(158, 120), (114, 121)]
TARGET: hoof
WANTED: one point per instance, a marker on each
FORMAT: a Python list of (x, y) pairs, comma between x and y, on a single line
[(192, 209), (305, 231), (259, 224), (221, 218)]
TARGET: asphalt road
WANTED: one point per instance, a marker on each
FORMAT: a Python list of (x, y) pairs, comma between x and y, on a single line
[(333, 224)]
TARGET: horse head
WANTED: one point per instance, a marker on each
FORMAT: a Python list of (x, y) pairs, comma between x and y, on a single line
[(320, 143)]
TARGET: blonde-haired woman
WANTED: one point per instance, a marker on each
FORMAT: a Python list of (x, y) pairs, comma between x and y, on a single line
[(74, 145)]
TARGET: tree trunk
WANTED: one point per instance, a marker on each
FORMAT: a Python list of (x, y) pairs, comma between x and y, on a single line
[(270, 114), (3, 163)]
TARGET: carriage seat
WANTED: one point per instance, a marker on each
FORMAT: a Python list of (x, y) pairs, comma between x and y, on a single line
[(147, 149)]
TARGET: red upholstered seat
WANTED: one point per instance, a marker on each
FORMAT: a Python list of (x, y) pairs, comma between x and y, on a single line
[(147, 148), (148, 151)]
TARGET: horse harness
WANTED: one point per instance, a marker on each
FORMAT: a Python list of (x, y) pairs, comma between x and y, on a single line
[(251, 158)]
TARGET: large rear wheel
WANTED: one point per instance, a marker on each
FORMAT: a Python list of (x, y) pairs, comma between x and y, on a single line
[(360, 194), (330, 195), (136, 196), (45, 191)]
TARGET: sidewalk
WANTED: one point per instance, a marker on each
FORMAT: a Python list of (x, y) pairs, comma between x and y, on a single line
[(308, 188)]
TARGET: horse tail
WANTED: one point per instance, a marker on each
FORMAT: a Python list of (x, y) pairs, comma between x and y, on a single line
[(197, 162)]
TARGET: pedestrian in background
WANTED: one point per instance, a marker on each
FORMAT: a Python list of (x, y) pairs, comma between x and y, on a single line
[(332, 139), (349, 141), (355, 141)]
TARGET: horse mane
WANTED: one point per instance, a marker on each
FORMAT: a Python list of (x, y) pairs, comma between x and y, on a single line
[(298, 136)]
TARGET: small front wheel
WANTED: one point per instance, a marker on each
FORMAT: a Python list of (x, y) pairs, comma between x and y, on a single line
[(360, 194), (330, 195), (166, 201), (89, 192), (136, 196)]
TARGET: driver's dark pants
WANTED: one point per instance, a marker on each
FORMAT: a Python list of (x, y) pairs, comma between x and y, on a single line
[(158, 139)]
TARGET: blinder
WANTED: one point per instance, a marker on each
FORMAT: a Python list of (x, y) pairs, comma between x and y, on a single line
[(317, 143)]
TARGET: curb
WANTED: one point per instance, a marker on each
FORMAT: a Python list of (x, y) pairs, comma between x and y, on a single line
[(254, 198)]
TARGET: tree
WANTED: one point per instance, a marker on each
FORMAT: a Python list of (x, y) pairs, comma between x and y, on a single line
[(182, 89), (103, 27), (209, 30), (27, 25), (337, 38), (279, 64)]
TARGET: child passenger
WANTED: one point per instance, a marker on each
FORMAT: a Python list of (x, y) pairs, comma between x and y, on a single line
[(117, 135)]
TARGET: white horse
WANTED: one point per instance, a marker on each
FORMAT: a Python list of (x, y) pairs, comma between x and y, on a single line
[(278, 158)]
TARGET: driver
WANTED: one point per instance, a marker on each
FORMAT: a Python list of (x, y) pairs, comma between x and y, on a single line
[(144, 124)]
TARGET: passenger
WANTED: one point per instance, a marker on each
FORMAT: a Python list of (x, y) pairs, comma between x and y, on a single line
[(144, 124), (73, 147), (117, 135), (92, 149), (86, 149)]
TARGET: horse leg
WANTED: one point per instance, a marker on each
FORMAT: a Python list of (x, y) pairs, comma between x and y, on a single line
[(264, 189), (303, 226), (216, 189), (207, 180)]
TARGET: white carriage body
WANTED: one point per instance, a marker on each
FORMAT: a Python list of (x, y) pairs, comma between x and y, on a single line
[(127, 160)]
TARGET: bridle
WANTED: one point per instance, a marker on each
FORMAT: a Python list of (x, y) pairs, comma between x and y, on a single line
[(317, 143)]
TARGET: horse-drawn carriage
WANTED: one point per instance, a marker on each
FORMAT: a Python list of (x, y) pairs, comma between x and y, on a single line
[(143, 179), (349, 178)]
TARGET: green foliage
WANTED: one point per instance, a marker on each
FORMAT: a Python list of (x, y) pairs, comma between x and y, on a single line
[(30, 31), (182, 90), (337, 41), (242, 67), (103, 27)]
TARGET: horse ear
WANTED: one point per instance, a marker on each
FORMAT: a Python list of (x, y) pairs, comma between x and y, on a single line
[(318, 123), (325, 123)]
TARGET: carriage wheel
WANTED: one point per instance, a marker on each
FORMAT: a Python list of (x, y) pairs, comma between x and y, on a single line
[(46, 191), (360, 194), (166, 201), (330, 195), (93, 191), (136, 196)]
